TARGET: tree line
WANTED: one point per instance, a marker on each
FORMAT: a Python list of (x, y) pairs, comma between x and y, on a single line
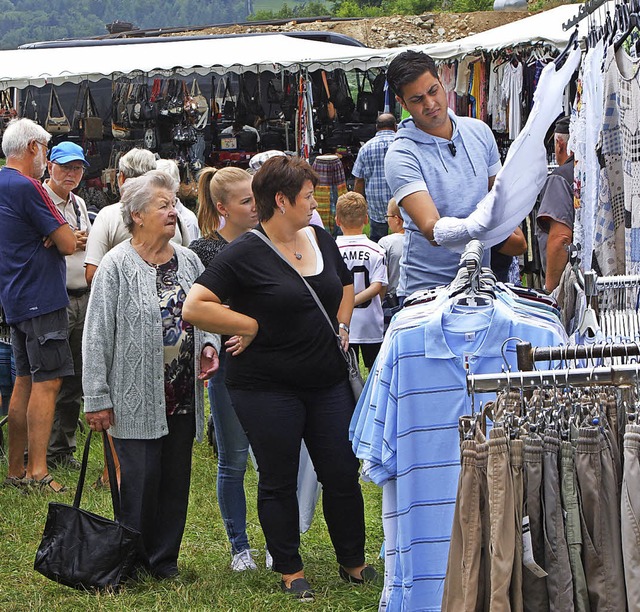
[(25, 21)]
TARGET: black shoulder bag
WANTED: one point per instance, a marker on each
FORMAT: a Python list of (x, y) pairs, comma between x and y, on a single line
[(355, 378), (83, 550)]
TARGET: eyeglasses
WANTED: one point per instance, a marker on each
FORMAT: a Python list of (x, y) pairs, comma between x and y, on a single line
[(391, 217), (43, 144), (79, 168)]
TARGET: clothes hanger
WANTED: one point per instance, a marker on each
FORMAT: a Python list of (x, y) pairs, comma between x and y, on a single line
[(561, 58)]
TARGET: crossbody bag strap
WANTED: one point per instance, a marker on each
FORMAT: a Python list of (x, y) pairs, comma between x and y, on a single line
[(314, 295)]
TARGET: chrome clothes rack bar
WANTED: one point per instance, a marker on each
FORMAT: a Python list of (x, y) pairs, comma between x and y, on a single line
[(613, 282), (624, 375), (528, 355), (583, 11)]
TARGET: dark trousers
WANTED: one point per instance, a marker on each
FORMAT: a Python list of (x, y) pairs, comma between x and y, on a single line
[(275, 423), (377, 230), (154, 491), (369, 352)]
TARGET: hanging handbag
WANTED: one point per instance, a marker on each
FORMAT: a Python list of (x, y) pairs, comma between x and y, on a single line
[(202, 116), (83, 550), (91, 122), (29, 106), (353, 370), (7, 112), (366, 104), (228, 106), (56, 123)]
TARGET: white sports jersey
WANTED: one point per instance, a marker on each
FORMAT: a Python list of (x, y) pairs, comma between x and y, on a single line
[(368, 264)]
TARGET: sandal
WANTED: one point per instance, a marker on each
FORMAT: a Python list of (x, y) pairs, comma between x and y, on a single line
[(17, 482), (47, 485), (100, 483)]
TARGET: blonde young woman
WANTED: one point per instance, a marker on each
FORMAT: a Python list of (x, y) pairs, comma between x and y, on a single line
[(226, 194)]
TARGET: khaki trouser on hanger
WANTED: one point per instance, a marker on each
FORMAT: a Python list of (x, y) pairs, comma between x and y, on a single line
[(502, 512), (534, 589), (484, 580), (630, 512), (602, 546), (556, 554), (516, 450), (573, 532), (463, 566)]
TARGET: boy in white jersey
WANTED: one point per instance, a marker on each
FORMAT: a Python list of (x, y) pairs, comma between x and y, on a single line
[(367, 262)]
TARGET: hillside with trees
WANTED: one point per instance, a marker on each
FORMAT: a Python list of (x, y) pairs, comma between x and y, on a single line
[(24, 21)]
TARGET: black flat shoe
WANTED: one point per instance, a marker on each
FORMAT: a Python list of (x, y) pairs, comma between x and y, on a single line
[(368, 575), (300, 589)]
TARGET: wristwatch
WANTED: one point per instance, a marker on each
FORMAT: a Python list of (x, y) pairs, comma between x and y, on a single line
[(345, 327)]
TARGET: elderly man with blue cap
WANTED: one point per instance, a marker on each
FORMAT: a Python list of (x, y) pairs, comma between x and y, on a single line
[(66, 167)]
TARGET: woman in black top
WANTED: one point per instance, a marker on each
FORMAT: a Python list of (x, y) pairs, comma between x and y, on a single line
[(226, 210), (286, 376)]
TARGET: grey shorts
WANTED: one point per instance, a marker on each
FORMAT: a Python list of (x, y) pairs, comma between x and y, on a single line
[(40, 347)]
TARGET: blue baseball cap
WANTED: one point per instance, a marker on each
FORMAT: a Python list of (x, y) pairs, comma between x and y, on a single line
[(66, 152)]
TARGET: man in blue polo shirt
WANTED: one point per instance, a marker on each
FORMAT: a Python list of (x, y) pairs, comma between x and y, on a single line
[(34, 239), (439, 165)]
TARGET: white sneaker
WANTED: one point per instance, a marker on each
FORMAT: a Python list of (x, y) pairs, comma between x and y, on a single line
[(268, 559), (243, 561)]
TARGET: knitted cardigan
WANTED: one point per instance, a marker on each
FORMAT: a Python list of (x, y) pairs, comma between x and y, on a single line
[(122, 347)]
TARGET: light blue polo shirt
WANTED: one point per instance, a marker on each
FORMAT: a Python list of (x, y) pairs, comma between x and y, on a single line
[(405, 429)]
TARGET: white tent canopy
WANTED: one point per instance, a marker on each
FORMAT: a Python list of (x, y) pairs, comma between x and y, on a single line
[(542, 28), (274, 52), (269, 52)]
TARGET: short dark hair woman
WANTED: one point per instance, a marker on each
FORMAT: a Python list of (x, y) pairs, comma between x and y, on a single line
[(286, 376)]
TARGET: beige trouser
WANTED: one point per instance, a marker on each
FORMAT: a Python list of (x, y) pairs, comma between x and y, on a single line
[(516, 451), (630, 512), (501, 509), (463, 566), (602, 546)]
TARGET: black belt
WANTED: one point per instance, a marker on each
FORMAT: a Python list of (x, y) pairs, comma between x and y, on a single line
[(78, 292)]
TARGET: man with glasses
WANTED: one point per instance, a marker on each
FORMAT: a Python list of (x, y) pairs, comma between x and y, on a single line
[(66, 167), (34, 239), (368, 171)]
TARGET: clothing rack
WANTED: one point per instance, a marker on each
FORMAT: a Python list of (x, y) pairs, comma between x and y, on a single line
[(624, 375), (615, 282), (528, 355), (583, 11)]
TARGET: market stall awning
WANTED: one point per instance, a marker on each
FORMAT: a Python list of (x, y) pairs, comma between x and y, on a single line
[(274, 52), (542, 28), (259, 52)]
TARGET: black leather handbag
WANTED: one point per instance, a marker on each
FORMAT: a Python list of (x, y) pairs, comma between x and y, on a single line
[(83, 550)]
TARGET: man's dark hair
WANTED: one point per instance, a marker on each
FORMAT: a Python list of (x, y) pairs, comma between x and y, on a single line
[(407, 67), (386, 121)]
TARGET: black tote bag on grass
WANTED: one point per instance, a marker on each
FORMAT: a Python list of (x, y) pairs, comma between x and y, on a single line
[(83, 550)]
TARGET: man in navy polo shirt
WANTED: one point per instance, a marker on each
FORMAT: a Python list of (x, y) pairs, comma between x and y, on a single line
[(34, 239)]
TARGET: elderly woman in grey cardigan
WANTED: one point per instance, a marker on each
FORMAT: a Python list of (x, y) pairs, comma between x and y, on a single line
[(144, 367)]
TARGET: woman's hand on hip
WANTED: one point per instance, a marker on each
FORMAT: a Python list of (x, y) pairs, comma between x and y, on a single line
[(237, 344), (209, 362), (99, 421)]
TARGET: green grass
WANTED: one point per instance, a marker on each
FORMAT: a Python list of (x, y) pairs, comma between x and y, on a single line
[(206, 582)]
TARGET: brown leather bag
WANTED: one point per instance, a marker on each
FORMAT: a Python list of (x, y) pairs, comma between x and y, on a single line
[(56, 123)]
